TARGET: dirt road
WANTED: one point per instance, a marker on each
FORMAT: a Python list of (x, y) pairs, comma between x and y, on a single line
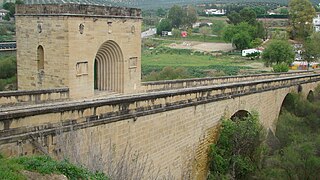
[(202, 46)]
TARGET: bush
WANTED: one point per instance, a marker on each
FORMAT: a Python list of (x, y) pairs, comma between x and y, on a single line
[(237, 153), (46, 165), (283, 67), (8, 67), (168, 73)]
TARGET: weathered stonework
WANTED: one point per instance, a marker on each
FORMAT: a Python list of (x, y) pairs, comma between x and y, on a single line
[(68, 38), (173, 128)]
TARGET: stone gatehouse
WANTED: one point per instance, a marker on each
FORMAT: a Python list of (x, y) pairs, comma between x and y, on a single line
[(89, 49)]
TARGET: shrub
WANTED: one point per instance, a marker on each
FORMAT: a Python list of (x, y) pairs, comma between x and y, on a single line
[(283, 67)]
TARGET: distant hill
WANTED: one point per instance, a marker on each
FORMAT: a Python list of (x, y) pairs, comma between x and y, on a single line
[(147, 4)]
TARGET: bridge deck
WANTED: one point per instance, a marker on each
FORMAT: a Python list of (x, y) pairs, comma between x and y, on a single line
[(218, 91)]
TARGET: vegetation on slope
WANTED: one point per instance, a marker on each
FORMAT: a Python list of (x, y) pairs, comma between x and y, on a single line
[(8, 70), (293, 153), (11, 168)]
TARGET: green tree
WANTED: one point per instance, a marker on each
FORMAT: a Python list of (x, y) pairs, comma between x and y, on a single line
[(284, 11), (234, 18), (298, 127), (240, 35), (10, 6), (301, 14), (245, 15), (164, 25), (217, 27), (312, 47), (176, 15), (256, 42), (236, 155), (190, 16), (176, 33), (205, 31), (161, 12), (259, 10), (242, 40), (248, 15), (278, 51)]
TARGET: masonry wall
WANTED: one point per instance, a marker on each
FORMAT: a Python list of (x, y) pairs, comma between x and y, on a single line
[(84, 47), (174, 135), (71, 36), (51, 32)]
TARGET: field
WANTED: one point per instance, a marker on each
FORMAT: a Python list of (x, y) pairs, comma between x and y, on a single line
[(195, 63)]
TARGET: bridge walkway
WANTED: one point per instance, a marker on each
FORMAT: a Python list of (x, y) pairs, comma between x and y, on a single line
[(144, 95)]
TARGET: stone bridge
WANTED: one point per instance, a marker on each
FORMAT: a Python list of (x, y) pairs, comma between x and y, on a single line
[(172, 122), (80, 97)]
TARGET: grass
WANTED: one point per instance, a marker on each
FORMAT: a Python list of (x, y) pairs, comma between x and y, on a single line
[(197, 64), (164, 56), (10, 168)]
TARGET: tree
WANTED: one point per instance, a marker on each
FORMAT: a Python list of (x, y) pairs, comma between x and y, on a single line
[(248, 15), (237, 153), (10, 6), (164, 25), (259, 10), (312, 47), (234, 18), (205, 31), (176, 15), (190, 17), (182, 17), (284, 11), (161, 12), (240, 35), (217, 27), (278, 51), (245, 15), (176, 33), (301, 13), (242, 40)]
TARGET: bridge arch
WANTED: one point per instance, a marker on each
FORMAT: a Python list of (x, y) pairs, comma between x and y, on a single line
[(240, 114), (310, 96), (108, 68), (287, 102)]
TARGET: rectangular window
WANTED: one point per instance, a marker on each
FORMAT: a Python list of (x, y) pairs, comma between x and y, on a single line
[(82, 68), (133, 62)]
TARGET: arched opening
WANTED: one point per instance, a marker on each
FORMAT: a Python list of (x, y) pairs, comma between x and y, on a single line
[(108, 68), (95, 74), (288, 102), (240, 115), (310, 96), (40, 58)]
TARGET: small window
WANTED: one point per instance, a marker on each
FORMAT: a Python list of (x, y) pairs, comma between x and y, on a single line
[(40, 58)]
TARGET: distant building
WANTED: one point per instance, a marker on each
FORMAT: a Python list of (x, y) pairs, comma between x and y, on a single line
[(246, 52), (316, 23), (3, 13), (215, 11)]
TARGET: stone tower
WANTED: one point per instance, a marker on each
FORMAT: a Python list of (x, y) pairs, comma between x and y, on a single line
[(89, 49)]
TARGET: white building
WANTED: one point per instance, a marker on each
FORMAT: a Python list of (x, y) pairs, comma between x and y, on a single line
[(3, 13), (316, 23), (215, 11), (246, 52)]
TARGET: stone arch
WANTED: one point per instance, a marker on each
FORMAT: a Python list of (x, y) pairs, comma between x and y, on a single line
[(240, 114), (108, 68), (310, 96), (287, 102), (40, 58)]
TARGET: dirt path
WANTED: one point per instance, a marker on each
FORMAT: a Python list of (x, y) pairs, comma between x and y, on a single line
[(202, 46)]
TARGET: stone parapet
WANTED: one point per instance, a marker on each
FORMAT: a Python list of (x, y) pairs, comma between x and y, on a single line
[(76, 10), (14, 98), (196, 82)]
